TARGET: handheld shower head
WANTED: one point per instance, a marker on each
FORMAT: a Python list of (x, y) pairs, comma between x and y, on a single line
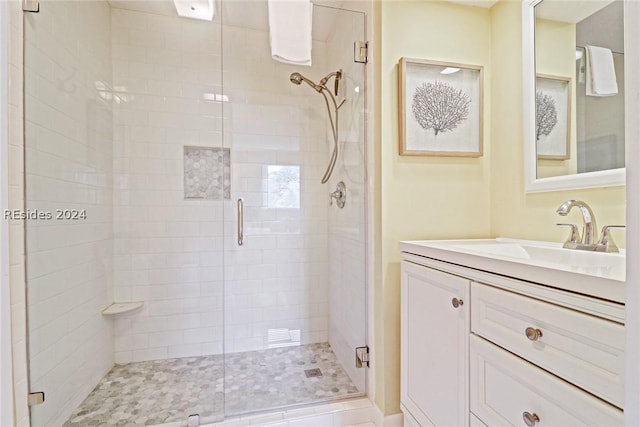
[(297, 79)]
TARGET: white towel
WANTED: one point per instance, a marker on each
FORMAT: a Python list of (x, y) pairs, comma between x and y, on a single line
[(601, 73), (290, 24)]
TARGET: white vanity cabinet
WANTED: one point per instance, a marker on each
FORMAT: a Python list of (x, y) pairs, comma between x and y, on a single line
[(435, 346), (484, 349)]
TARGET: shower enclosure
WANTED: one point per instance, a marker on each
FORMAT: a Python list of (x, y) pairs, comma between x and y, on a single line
[(173, 168)]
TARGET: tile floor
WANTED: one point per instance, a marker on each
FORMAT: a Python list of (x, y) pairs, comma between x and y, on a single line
[(163, 391)]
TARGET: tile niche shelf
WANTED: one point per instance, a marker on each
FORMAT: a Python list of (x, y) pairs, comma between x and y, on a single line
[(122, 307)]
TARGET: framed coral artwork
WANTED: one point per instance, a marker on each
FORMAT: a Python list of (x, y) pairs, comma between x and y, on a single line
[(553, 115), (440, 108)]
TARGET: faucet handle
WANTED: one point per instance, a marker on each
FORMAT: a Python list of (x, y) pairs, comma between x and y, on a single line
[(606, 241), (574, 236)]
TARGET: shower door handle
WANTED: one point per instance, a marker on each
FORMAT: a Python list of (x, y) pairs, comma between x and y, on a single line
[(240, 221)]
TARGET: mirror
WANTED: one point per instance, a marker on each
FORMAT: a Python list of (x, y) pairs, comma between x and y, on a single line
[(573, 77)]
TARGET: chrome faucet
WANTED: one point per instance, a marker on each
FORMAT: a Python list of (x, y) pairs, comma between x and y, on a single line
[(588, 218), (587, 242)]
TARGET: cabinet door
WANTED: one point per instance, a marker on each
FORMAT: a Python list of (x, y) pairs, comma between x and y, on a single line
[(434, 346)]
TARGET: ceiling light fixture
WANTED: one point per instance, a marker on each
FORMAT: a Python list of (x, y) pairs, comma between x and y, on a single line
[(450, 70), (196, 9)]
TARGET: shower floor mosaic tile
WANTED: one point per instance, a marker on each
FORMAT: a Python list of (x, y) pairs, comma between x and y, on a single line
[(162, 391), (276, 377)]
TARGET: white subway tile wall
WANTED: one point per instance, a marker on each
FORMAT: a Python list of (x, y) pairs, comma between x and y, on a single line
[(278, 280), (169, 252), (69, 161)]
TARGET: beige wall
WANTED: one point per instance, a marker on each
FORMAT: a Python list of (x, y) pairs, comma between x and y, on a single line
[(446, 198), (424, 197), (555, 56)]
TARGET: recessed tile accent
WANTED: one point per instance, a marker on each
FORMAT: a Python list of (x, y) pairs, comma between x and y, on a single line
[(207, 173), (170, 390)]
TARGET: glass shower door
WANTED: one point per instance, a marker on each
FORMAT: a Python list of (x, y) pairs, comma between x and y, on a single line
[(69, 169), (141, 155), (294, 263), (125, 180)]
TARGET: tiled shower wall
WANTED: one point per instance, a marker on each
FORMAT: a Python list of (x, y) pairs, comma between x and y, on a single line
[(69, 166), (277, 281), (168, 250), (347, 227)]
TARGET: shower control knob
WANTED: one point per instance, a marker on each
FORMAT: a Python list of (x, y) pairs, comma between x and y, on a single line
[(340, 195), (530, 419)]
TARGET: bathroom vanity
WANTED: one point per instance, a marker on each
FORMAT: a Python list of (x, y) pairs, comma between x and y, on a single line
[(510, 332)]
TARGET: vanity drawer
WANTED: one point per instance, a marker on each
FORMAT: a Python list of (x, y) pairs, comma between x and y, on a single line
[(504, 388), (585, 350)]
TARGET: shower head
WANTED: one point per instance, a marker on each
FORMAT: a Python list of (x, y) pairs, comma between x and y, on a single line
[(297, 78)]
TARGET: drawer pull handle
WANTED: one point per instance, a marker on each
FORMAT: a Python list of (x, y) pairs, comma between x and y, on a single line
[(456, 302), (533, 334), (530, 419)]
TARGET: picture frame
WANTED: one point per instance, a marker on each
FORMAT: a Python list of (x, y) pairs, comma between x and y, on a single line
[(553, 117), (440, 108)]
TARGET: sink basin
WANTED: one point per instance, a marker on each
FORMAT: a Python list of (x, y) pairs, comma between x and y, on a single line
[(544, 253), (593, 273)]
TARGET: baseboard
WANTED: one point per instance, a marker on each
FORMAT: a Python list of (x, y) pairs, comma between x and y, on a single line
[(393, 420), (353, 412)]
